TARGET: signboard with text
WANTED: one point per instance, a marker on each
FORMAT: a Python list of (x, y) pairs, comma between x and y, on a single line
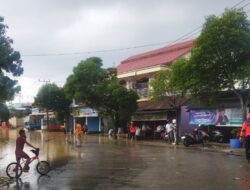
[(205, 117), (222, 117)]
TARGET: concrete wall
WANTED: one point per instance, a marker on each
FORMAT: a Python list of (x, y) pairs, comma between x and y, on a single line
[(16, 122), (184, 125)]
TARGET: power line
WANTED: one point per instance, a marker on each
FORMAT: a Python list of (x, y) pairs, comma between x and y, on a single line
[(237, 4), (182, 38)]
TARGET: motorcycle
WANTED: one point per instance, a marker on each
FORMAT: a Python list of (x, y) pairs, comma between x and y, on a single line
[(215, 136), (195, 137)]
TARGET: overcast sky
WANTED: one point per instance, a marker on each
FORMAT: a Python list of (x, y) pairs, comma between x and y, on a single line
[(45, 27)]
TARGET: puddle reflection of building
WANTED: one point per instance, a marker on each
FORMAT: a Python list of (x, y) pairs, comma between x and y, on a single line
[(4, 133), (100, 139)]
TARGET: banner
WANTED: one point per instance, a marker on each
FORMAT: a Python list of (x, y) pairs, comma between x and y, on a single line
[(223, 117), (86, 112), (229, 117), (205, 117)]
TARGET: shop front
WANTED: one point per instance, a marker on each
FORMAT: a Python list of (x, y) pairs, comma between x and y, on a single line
[(224, 116), (89, 118), (154, 115)]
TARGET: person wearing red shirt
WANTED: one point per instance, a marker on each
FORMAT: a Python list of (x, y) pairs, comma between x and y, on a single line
[(20, 141), (132, 131), (245, 134)]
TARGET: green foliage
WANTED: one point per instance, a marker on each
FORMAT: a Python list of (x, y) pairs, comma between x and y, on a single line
[(159, 84), (17, 113), (222, 53), (10, 63), (51, 97), (117, 102), (164, 85), (236, 132), (98, 88), (86, 74), (4, 112), (220, 59)]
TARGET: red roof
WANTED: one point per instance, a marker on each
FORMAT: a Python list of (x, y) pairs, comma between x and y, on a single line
[(161, 56)]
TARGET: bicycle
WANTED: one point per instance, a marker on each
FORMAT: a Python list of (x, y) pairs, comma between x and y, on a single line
[(15, 170)]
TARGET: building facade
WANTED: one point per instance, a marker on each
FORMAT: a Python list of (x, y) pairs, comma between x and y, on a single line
[(136, 72)]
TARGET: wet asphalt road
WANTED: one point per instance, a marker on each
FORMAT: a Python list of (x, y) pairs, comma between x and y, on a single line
[(106, 163)]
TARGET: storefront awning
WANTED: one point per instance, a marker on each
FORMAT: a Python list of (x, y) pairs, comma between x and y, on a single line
[(162, 116), (164, 104)]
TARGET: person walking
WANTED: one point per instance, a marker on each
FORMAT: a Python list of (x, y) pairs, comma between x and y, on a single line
[(138, 133), (132, 131), (78, 131), (245, 134), (174, 131), (169, 132)]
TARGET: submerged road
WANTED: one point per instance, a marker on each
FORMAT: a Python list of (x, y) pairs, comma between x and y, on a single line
[(106, 163)]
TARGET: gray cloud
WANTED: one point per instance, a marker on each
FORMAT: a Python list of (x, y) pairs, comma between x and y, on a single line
[(63, 26)]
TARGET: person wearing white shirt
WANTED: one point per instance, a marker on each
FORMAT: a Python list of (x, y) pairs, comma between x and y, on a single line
[(169, 131)]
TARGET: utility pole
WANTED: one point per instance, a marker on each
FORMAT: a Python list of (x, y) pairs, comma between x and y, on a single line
[(47, 111), (45, 81)]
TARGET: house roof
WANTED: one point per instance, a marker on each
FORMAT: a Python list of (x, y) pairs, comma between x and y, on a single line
[(166, 103), (161, 56)]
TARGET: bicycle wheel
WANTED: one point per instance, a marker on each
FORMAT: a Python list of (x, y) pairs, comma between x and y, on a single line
[(14, 170), (43, 167)]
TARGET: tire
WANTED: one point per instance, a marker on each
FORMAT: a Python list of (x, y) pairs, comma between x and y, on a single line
[(220, 140), (43, 167), (186, 142), (14, 174)]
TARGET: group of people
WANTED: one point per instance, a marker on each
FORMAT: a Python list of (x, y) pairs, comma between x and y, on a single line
[(136, 132), (79, 130)]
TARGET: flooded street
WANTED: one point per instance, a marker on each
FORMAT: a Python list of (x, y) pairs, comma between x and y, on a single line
[(106, 163)]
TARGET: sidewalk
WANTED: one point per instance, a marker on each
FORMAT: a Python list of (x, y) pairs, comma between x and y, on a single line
[(209, 146)]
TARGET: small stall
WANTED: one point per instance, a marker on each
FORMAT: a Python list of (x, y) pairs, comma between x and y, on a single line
[(89, 118)]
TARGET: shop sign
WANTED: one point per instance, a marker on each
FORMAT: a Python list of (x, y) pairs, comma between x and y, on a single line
[(87, 112), (222, 117), (206, 117), (229, 117)]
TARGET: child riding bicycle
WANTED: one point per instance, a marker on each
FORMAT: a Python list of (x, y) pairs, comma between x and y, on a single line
[(20, 141)]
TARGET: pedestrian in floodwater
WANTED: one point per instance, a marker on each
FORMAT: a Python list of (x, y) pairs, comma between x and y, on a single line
[(245, 134), (132, 130), (138, 133), (170, 132), (78, 132), (174, 131)]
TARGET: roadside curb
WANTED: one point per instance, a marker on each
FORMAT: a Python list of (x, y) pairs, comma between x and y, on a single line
[(209, 147)]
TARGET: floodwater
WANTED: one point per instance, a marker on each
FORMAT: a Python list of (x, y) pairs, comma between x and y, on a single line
[(100, 162)]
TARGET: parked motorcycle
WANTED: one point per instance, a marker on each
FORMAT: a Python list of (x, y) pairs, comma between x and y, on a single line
[(195, 137), (214, 136)]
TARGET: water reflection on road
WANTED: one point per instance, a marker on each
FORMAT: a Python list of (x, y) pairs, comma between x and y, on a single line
[(99, 162)]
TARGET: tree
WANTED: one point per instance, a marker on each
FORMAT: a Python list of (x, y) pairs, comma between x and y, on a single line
[(99, 88), (51, 97), (4, 112), (220, 60), (162, 88), (117, 102), (10, 63), (86, 74)]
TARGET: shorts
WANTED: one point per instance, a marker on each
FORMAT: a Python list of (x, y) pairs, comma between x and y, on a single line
[(21, 155)]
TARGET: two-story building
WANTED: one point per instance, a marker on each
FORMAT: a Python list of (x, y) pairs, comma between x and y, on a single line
[(135, 73)]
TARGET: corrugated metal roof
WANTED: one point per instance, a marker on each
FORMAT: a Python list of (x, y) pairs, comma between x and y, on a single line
[(160, 56)]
